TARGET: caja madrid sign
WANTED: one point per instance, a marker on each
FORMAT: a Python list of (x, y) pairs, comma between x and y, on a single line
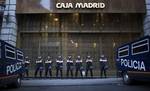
[(80, 5)]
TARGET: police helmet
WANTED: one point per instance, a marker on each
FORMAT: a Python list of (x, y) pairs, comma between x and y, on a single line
[(48, 57), (39, 57), (26, 57), (102, 55), (78, 57), (59, 57), (88, 56), (69, 57)]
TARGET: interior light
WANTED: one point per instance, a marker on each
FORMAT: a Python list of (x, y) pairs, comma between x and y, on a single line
[(56, 19)]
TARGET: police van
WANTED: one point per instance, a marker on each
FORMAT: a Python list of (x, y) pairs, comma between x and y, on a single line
[(11, 65), (133, 60)]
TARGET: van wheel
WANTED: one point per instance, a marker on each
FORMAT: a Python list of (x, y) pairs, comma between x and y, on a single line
[(17, 82), (126, 79)]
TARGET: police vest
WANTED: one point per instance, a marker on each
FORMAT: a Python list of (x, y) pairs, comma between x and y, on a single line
[(48, 63), (78, 63), (59, 62), (89, 60), (103, 62), (27, 63), (39, 63), (69, 63)]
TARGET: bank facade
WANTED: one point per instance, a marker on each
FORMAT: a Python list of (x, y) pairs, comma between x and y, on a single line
[(43, 29)]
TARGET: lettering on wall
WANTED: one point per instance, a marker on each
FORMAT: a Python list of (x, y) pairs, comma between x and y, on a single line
[(80, 5)]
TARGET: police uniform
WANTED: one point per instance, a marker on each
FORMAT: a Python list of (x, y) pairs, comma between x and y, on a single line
[(59, 66), (89, 66), (39, 66), (48, 67), (69, 66), (103, 66), (78, 66), (27, 63)]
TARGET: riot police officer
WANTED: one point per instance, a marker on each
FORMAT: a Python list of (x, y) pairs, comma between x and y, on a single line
[(59, 66), (89, 66), (39, 66), (78, 66), (103, 66), (48, 66), (69, 66), (27, 63)]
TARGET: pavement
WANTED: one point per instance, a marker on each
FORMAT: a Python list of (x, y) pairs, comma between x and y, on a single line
[(47, 84), (70, 82)]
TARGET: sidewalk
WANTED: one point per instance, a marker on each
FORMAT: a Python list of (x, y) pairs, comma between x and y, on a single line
[(69, 82)]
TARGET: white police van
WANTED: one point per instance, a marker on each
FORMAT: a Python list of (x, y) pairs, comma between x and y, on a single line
[(133, 60), (11, 65)]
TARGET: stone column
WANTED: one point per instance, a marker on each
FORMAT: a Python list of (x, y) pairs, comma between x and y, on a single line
[(9, 26), (147, 19)]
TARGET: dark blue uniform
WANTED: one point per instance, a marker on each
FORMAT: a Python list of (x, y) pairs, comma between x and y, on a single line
[(78, 67), (69, 67), (89, 66), (48, 67), (59, 67), (103, 66), (27, 63), (39, 67)]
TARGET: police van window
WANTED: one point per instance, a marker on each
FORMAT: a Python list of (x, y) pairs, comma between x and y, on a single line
[(140, 47), (19, 55), (123, 51), (10, 52)]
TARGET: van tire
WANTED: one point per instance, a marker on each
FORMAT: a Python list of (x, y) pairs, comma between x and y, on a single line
[(17, 83), (126, 79)]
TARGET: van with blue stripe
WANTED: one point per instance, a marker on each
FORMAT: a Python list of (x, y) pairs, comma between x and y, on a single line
[(11, 65), (133, 60)]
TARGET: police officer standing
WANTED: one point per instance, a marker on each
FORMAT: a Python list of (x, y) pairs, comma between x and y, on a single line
[(69, 66), (103, 65), (89, 66), (48, 66), (78, 66), (39, 66), (27, 63), (59, 66)]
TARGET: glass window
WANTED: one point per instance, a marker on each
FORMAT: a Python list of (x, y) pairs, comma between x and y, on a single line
[(10, 52), (140, 47), (123, 51), (20, 55)]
